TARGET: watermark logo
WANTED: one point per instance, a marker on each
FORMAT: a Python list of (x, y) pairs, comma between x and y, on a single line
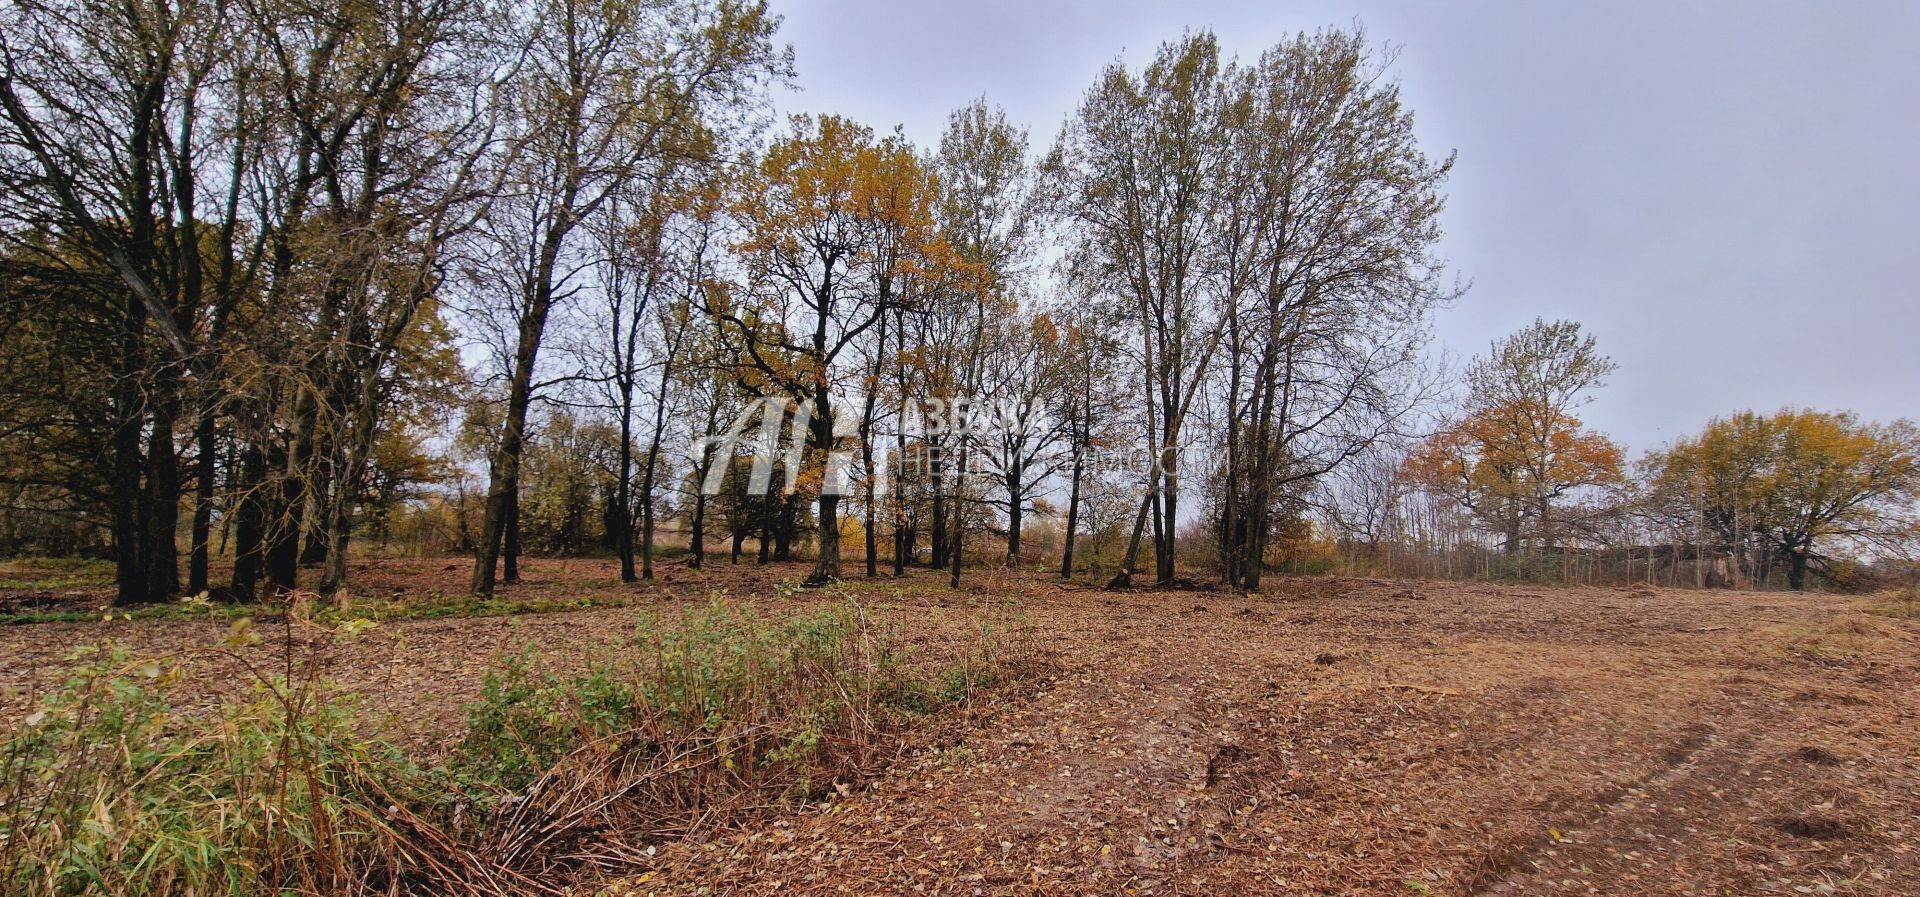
[(765, 446), (775, 433)]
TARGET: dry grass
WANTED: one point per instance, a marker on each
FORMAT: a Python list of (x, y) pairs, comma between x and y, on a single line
[(121, 783), (1900, 604), (1337, 736)]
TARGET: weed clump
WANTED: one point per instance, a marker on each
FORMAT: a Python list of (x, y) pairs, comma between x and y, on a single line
[(115, 786)]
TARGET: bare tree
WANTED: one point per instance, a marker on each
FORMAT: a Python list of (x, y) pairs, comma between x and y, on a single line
[(610, 91), (1133, 174), (1086, 404), (1025, 364), (1323, 252), (986, 213)]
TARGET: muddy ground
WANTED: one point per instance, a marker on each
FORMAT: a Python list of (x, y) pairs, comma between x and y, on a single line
[(1334, 736)]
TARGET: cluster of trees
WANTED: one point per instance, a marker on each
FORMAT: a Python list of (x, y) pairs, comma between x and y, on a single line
[(238, 235), (1796, 491), (280, 275), (258, 257)]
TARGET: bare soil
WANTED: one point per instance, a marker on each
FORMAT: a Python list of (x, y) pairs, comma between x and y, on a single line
[(1334, 736)]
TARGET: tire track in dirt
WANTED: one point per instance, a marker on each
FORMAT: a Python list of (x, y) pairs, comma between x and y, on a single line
[(1515, 867)]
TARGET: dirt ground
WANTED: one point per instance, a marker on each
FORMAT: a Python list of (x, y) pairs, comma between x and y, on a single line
[(1334, 736)]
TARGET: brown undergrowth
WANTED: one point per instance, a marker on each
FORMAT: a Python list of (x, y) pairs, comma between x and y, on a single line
[(1333, 736), (118, 785)]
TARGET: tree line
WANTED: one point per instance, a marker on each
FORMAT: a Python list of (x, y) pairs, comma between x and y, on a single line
[(299, 275), (1794, 492)]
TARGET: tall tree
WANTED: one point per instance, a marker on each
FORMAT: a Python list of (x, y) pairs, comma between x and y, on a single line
[(114, 142), (815, 210), (611, 91), (1323, 229), (1133, 174), (986, 211), (368, 173), (1519, 449), (1086, 405), (1025, 364), (657, 260)]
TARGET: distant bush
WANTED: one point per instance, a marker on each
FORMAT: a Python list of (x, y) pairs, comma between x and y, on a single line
[(1528, 568), (1902, 603), (1850, 577)]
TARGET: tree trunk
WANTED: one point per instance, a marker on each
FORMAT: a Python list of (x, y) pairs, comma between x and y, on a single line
[(698, 537), (646, 530), (128, 529), (650, 471), (287, 518), (1797, 569), (826, 567), (283, 540), (162, 549), (1014, 500), (1073, 513), (1168, 530), (902, 535), (872, 523), (936, 482), (503, 479), (786, 526), (959, 520), (339, 534), (510, 554), (1159, 532), (129, 568), (866, 440), (1546, 528), (249, 561), (623, 489), (697, 534), (313, 547), (1254, 556), (1129, 561), (350, 466), (905, 539), (204, 471)]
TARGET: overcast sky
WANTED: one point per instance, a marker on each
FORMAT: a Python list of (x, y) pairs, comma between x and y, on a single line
[(1724, 193)]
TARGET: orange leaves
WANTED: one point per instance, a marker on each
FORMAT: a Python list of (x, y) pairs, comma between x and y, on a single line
[(834, 190), (831, 213), (1513, 453), (1444, 462), (1582, 458)]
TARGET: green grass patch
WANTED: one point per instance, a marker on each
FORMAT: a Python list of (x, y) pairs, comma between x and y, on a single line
[(430, 607), (46, 574)]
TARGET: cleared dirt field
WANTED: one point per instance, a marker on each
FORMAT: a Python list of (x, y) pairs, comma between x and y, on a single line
[(1333, 736)]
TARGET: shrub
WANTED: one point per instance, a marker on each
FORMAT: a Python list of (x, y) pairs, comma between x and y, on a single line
[(744, 704)]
